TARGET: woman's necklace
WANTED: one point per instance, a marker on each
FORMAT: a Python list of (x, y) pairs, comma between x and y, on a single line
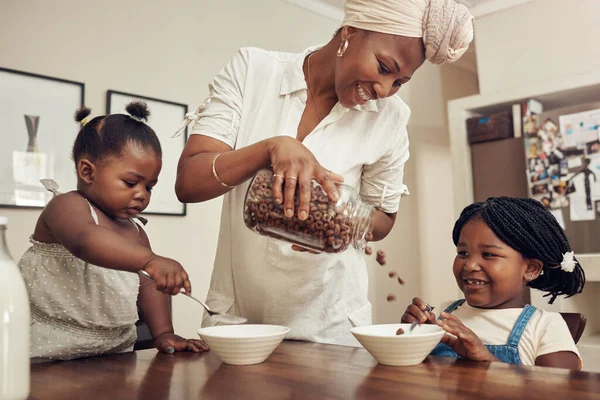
[(309, 86)]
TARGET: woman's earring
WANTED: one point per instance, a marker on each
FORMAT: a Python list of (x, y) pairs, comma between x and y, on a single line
[(343, 48), (530, 278)]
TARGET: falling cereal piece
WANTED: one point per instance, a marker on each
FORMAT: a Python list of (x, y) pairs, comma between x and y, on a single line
[(400, 331), (400, 281), (381, 257), (392, 274), (391, 297), (368, 250)]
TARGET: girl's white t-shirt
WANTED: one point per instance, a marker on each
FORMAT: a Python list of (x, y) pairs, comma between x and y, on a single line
[(545, 333)]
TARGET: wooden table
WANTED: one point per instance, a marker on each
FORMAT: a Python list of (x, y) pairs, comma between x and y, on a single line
[(299, 370)]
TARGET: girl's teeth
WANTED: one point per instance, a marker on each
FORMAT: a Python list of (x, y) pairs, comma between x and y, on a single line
[(470, 282)]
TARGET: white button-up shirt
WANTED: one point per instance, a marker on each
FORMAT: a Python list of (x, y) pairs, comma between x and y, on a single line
[(262, 94)]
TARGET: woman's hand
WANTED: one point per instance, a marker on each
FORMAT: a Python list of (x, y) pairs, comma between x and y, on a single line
[(464, 342), (418, 310), (170, 343), (295, 166)]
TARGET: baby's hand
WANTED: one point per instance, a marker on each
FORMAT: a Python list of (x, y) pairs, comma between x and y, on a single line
[(418, 310), (170, 343), (464, 342), (169, 275)]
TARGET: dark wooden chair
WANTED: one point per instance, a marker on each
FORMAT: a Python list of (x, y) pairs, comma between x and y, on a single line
[(576, 323), (144, 338)]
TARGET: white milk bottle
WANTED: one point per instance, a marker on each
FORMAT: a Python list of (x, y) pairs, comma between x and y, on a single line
[(14, 326)]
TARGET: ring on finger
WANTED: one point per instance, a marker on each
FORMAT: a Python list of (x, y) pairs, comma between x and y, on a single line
[(291, 177), (278, 176)]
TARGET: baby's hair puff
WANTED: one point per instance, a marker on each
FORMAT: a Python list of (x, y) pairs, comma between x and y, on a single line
[(138, 110), (81, 114), (107, 135), (529, 228)]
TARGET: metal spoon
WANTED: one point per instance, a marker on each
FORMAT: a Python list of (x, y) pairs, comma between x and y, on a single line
[(215, 315), (416, 321)]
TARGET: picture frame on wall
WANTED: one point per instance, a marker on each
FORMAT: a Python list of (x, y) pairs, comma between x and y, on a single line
[(37, 132), (165, 117)]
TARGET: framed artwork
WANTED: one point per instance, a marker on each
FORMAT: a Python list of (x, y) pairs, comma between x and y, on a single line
[(37, 132), (165, 118)]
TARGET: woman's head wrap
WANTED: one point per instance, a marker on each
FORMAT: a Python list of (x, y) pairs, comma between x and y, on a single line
[(445, 26)]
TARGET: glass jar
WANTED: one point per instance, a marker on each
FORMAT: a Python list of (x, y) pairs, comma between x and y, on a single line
[(330, 227)]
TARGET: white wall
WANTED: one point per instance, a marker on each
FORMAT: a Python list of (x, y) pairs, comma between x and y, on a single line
[(536, 42), (405, 244), (401, 247), (420, 247), (166, 50), (433, 166)]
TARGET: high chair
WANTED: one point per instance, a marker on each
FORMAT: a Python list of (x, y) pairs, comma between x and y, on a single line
[(144, 338), (576, 323)]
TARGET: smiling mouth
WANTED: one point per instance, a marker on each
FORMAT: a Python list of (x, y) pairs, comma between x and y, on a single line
[(475, 282), (362, 93)]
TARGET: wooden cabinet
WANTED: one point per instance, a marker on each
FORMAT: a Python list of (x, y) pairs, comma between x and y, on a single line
[(499, 169)]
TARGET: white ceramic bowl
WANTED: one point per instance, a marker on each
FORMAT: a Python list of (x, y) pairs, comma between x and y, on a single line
[(391, 349), (243, 344)]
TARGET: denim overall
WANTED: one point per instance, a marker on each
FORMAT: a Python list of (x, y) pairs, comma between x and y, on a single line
[(508, 353)]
